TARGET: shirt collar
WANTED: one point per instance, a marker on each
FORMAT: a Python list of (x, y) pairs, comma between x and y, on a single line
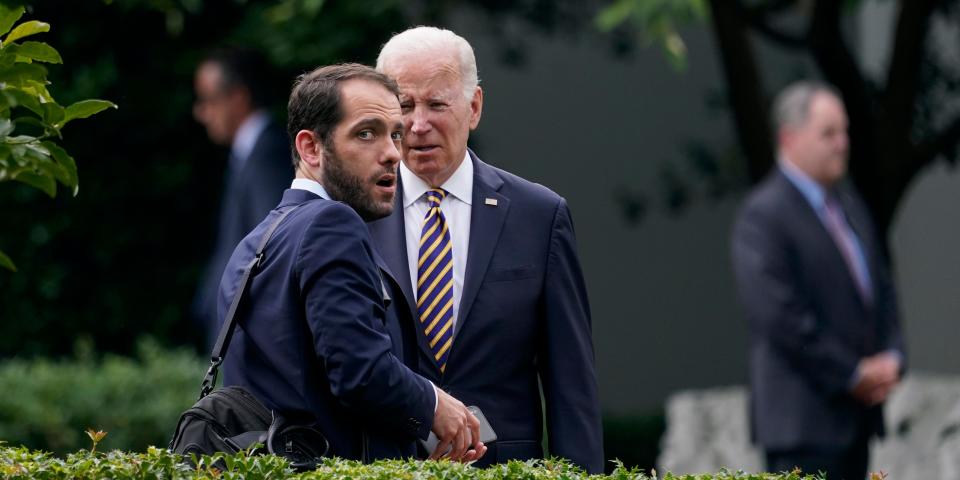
[(811, 190), (247, 135), (460, 184), (310, 186)]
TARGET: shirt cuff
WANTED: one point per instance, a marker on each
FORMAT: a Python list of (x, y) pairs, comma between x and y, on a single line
[(436, 398)]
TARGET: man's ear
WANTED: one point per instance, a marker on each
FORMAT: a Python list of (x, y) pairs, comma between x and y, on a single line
[(476, 107), (785, 136), (309, 148)]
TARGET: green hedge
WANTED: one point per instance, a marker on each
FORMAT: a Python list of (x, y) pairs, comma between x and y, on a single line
[(48, 404), (157, 463)]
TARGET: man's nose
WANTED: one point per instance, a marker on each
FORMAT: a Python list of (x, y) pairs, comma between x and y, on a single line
[(419, 123), (392, 153)]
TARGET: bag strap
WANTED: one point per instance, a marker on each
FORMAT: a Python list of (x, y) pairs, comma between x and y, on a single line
[(230, 322)]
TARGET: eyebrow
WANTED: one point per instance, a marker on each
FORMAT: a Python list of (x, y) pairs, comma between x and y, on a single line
[(369, 122)]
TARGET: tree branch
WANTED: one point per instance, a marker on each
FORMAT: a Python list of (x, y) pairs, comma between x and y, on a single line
[(744, 88), (902, 76), (758, 19)]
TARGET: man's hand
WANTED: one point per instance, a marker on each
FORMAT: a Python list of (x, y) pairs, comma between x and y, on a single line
[(457, 429), (878, 375)]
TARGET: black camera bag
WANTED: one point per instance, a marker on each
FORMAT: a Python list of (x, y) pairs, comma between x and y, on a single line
[(230, 419)]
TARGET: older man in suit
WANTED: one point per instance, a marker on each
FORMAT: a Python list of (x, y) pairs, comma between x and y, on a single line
[(825, 344), (231, 99), (488, 263), (317, 339)]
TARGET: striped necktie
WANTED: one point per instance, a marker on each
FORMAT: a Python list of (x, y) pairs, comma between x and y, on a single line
[(435, 280)]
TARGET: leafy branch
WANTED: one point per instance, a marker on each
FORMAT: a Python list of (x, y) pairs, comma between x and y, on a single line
[(31, 120)]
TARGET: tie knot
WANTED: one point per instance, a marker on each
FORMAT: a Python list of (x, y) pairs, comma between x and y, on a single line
[(435, 195)]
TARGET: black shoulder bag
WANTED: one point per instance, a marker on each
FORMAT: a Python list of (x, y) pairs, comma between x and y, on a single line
[(230, 419)]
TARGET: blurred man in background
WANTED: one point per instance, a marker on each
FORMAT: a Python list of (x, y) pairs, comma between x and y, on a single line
[(825, 342), (231, 88)]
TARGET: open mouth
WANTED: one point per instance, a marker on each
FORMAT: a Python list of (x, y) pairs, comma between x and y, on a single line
[(387, 181), (422, 148)]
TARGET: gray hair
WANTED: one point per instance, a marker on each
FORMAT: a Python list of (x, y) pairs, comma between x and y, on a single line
[(792, 105), (430, 39)]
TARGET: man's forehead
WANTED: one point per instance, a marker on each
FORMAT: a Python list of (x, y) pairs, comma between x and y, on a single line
[(366, 96), (439, 85), (418, 73)]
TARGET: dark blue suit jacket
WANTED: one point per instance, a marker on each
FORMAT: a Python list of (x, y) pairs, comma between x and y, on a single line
[(808, 325), (315, 338), (523, 315), (248, 195)]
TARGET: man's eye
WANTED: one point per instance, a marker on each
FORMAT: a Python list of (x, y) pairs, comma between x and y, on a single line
[(365, 135), (396, 136), (406, 107), (438, 105)]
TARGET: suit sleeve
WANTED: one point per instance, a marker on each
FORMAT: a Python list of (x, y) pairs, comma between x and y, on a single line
[(345, 310), (566, 357), (777, 310)]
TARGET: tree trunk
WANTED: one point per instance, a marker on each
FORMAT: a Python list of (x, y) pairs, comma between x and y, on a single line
[(744, 88)]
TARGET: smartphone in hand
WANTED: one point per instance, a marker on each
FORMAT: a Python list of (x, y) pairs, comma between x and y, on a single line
[(487, 434)]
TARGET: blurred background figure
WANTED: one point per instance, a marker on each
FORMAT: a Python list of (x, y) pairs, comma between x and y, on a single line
[(231, 87), (825, 342)]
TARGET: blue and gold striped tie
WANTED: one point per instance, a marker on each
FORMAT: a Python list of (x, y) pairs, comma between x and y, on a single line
[(435, 280)]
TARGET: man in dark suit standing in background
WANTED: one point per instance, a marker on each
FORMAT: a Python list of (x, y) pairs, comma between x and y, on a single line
[(825, 342), (316, 337), (488, 263), (231, 87)]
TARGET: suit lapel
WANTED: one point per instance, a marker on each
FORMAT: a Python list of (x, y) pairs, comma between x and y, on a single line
[(391, 240), (486, 222), (390, 236), (814, 223), (856, 218)]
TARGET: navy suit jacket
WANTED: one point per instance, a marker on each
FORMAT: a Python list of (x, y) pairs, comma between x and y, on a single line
[(315, 338), (523, 315), (248, 195), (809, 327)]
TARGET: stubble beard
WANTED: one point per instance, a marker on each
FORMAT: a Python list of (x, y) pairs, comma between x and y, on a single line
[(351, 189)]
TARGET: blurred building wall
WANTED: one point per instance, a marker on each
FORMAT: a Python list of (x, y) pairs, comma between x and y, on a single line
[(589, 125)]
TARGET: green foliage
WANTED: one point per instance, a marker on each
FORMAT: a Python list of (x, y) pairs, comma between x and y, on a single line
[(157, 463), (30, 119), (658, 21), (633, 439), (124, 258), (48, 405)]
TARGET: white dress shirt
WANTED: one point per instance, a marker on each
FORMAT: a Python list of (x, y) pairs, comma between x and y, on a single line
[(456, 209), (310, 186)]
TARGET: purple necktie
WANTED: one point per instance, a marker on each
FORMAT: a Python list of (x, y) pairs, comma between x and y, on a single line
[(837, 225), (435, 280)]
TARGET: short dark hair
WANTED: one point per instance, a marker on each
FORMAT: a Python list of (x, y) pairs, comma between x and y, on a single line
[(243, 67), (315, 99)]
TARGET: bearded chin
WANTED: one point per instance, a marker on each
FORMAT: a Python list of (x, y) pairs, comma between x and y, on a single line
[(349, 189)]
